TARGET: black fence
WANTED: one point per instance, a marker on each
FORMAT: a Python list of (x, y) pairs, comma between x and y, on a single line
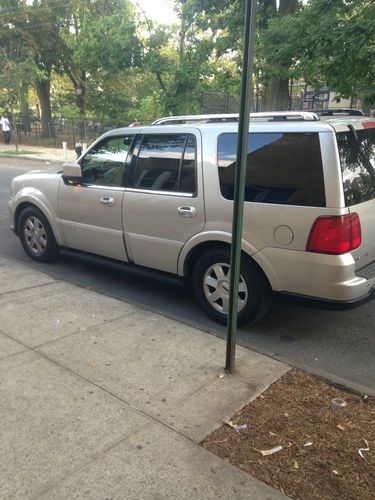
[(70, 130), (73, 130)]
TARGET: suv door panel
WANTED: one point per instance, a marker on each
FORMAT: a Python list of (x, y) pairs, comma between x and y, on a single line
[(91, 211), (159, 219)]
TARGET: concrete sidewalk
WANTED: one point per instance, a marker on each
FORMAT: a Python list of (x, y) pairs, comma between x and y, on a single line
[(38, 153), (104, 400)]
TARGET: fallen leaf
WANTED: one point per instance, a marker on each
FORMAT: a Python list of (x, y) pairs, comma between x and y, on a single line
[(341, 427), (272, 433), (229, 423), (361, 450), (296, 466), (265, 453)]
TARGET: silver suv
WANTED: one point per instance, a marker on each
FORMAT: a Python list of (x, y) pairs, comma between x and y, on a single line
[(162, 196)]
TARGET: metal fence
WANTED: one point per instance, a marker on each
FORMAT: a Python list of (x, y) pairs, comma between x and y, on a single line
[(223, 102), (70, 130), (73, 130)]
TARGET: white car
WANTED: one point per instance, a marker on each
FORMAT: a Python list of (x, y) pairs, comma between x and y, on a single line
[(162, 197)]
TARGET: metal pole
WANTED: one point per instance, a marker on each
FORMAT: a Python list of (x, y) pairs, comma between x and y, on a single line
[(240, 177)]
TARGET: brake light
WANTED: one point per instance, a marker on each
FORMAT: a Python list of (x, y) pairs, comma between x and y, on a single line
[(335, 235), (368, 124)]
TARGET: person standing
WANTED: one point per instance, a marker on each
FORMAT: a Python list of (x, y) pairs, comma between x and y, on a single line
[(5, 125), (135, 123)]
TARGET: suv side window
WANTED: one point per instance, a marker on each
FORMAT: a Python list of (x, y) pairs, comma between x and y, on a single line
[(166, 162), (104, 164), (282, 168), (357, 157)]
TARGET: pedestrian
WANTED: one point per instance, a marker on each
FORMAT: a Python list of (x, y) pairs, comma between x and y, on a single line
[(5, 125), (135, 123)]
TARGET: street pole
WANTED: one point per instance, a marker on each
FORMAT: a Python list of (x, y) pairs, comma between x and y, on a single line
[(240, 178)]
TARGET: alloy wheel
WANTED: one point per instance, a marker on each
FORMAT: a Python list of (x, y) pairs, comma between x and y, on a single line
[(35, 236), (216, 288)]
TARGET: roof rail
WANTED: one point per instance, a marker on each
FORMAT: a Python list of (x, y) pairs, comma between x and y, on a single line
[(209, 118), (233, 117), (338, 112), (286, 115)]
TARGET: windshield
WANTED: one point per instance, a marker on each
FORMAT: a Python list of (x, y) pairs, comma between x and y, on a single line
[(357, 157)]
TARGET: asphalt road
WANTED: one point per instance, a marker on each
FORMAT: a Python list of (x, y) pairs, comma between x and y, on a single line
[(339, 345)]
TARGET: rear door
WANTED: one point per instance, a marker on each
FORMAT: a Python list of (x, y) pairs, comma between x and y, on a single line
[(163, 203), (357, 157)]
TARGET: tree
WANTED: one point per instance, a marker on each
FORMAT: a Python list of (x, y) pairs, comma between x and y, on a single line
[(275, 66), (99, 42)]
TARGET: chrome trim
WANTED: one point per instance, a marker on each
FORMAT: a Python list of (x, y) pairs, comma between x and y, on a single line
[(107, 201), (109, 188), (167, 193)]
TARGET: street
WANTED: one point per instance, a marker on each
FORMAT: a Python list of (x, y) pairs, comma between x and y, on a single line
[(339, 345)]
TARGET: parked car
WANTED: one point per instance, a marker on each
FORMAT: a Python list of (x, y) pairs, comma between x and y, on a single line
[(162, 197)]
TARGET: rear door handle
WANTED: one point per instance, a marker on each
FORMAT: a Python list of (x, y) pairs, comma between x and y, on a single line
[(107, 201), (187, 211)]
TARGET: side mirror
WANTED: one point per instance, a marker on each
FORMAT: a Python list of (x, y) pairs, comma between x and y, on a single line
[(72, 170)]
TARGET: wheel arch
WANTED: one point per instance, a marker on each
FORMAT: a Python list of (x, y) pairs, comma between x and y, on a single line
[(198, 250), (35, 203)]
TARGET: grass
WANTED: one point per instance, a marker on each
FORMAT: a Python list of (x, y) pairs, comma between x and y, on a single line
[(20, 152)]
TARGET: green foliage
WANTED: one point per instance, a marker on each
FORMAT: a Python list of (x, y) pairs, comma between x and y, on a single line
[(106, 62), (328, 41), (150, 107)]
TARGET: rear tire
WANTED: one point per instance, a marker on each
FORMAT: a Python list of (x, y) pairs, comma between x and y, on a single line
[(210, 282), (36, 235)]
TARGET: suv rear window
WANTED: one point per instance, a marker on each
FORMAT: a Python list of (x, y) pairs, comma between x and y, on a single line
[(282, 168), (357, 157)]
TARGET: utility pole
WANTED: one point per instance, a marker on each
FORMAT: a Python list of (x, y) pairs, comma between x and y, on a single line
[(240, 177)]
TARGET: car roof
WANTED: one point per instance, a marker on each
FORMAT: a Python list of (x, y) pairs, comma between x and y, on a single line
[(280, 121)]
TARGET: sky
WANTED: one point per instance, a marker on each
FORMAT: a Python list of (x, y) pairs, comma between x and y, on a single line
[(158, 10)]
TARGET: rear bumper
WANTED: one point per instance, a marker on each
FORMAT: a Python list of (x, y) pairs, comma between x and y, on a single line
[(326, 278), (337, 305)]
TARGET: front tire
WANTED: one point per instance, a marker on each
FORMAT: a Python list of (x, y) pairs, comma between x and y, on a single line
[(210, 282), (36, 235)]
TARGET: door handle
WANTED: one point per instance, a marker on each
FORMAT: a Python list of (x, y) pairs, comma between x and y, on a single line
[(107, 201), (187, 211)]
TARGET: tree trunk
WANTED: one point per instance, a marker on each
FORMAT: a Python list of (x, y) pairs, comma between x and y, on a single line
[(81, 104), (276, 91), (287, 7), (25, 109), (43, 91), (276, 95)]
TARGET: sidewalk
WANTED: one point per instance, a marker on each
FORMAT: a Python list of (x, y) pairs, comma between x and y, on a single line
[(101, 399), (38, 153)]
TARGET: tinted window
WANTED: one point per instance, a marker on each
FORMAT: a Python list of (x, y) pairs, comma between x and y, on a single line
[(187, 177), (281, 168), (357, 156), (166, 163), (104, 164)]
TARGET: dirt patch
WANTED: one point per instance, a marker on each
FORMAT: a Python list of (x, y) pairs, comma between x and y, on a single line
[(319, 458)]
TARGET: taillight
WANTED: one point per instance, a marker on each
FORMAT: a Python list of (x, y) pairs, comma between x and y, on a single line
[(335, 235)]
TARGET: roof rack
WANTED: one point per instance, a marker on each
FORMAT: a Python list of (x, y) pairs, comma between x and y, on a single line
[(211, 118), (338, 112), (286, 115), (224, 118)]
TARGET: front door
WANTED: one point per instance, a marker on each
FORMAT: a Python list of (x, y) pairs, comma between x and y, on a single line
[(91, 210), (163, 202)]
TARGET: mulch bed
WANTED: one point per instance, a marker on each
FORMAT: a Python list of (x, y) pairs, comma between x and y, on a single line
[(319, 458)]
